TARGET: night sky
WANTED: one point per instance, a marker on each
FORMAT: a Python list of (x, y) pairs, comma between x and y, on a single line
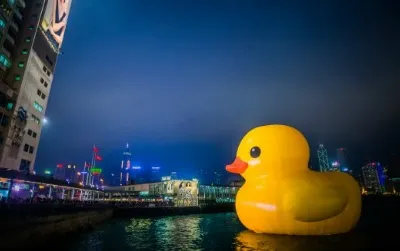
[(183, 81)]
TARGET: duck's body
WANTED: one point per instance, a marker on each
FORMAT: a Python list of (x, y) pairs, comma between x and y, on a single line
[(289, 198), (307, 204)]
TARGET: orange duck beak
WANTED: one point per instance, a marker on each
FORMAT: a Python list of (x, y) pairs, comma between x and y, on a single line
[(238, 166)]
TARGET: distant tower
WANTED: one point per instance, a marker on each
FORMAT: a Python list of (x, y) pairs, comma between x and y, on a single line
[(125, 166), (341, 155), (323, 158), (155, 174)]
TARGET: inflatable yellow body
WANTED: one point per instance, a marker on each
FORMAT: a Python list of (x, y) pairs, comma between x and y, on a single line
[(282, 195)]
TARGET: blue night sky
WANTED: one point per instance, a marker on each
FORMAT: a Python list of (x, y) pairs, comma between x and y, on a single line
[(183, 81)]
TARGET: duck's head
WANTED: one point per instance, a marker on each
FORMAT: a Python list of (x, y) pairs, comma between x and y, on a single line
[(269, 151)]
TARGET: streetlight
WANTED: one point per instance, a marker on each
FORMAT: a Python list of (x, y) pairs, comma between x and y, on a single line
[(45, 121)]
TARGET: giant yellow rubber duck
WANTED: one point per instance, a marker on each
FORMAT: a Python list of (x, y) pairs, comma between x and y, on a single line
[(282, 195)]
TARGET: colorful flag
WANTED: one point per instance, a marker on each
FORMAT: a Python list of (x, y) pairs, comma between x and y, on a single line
[(95, 149), (59, 165), (98, 157)]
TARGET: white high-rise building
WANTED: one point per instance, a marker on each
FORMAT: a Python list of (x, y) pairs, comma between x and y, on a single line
[(35, 34)]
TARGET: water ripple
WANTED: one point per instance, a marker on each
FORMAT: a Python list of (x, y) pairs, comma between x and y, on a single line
[(203, 232)]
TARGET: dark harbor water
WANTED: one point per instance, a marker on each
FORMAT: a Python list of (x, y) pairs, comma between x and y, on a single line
[(213, 232)]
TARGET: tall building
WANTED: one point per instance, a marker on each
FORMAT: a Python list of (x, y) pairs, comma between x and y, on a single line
[(341, 157), (323, 158), (125, 177), (374, 177), (71, 173), (31, 35), (174, 176), (155, 175), (217, 178)]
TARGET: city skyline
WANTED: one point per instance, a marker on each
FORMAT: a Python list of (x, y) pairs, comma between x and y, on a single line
[(186, 91)]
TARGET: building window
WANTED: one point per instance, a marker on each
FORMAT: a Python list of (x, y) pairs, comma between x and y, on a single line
[(28, 40), (37, 106), (34, 134), (48, 60), (44, 68), (26, 148), (40, 94), (17, 77), (31, 149), (30, 27), (21, 65), (3, 119), (10, 106), (24, 52), (2, 23), (45, 84), (5, 61), (48, 73), (41, 80), (30, 132), (24, 165), (36, 119)]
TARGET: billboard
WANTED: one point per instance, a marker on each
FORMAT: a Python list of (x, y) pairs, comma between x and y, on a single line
[(184, 192), (54, 20)]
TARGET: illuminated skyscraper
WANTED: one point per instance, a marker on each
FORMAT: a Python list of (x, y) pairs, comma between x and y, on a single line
[(125, 167), (155, 175), (341, 157), (323, 158), (374, 177), (31, 35)]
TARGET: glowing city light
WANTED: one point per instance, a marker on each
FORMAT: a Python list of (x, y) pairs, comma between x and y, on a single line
[(335, 164), (155, 168), (136, 167), (47, 172), (45, 121), (16, 188), (95, 170)]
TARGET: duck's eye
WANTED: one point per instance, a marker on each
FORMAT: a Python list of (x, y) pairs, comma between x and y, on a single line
[(255, 152)]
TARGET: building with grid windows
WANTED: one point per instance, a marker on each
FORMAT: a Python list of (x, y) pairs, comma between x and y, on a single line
[(31, 35)]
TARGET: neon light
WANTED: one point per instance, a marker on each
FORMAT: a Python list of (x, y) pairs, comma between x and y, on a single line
[(155, 168), (136, 167), (95, 170)]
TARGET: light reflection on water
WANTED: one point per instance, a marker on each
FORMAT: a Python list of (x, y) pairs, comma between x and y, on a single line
[(199, 232), (247, 240)]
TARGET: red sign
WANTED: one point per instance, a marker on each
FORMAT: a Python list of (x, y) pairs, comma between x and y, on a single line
[(59, 165)]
